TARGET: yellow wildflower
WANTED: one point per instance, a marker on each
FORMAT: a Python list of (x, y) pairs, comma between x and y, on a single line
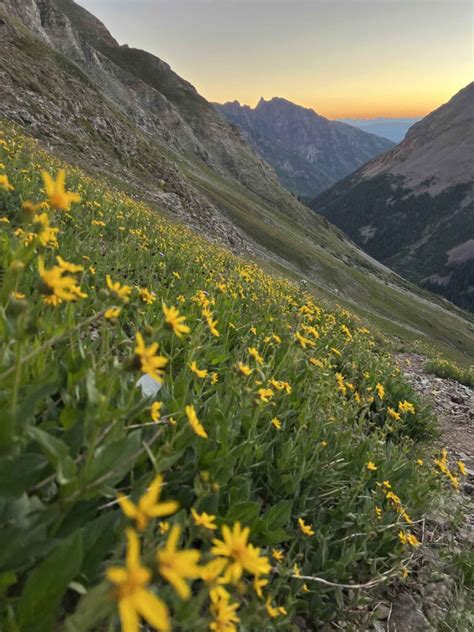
[(134, 600), (371, 466), (204, 520), (406, 407), (148, 506), (306, 529), (59, 198), (258, 584), (277, 555), (272, 612), (147, 297), (265, 394), (47, 235), (223, 612), (462, 468), (393, 414), (121, 291), (244, 369), (150, 363), (242, 556), (175, 321), (5, 183), (255, 355), (69, 267), (304, 342), (194, 422), (212, 324), (276, 423), (380, 390), (177, 566), (201, 373), (155, 411), (112, 313), (341, 386), (58, 286)]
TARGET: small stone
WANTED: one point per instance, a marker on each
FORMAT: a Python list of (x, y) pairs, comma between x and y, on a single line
[(149, 386)]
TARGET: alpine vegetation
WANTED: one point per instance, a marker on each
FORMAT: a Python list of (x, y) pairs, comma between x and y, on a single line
[(270, 465)]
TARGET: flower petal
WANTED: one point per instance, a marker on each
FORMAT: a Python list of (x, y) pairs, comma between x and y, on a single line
[(128, 616), (152, 609)]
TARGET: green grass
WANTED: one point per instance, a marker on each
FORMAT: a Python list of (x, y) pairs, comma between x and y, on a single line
[(76, 429), (444, 368)]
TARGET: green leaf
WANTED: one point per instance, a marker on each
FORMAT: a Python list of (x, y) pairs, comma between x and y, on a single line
[(245, 512), (110, 464), (35, 395), (99, 539), (270, 538), (56, 451), (47, 584), (278, 515), (92, 609), (7, 579), (20, 473)]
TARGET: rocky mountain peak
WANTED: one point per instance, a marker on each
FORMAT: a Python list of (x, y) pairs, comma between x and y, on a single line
[(308, 151)]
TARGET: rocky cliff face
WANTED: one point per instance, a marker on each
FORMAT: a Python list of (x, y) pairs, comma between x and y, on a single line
[(413, 207), (309, 152), (144, 88)]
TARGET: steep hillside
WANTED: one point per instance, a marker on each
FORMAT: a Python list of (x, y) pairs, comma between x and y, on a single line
[(184, 438), (85, 107), (413, 208), (308, 152)]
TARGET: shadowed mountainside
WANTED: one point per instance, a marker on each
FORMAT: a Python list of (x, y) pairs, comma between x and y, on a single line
[(413, 207)]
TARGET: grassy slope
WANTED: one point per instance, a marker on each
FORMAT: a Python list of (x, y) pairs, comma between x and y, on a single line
[(290, 237), (342, 273), (75, 428)]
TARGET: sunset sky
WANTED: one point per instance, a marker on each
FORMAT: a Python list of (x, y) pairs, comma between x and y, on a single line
[(343, 58)]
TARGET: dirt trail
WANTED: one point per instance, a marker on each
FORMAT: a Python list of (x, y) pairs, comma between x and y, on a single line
[(453, 404), (423, 604)]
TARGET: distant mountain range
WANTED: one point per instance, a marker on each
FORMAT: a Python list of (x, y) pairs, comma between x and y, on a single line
[(308, 152), (413, 207), (394, 129)]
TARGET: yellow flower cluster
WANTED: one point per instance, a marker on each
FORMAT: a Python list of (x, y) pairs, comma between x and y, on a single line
[(228, 560)]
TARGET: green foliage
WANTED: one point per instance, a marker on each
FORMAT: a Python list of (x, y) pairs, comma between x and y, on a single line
[(288, 439), (444, 368)]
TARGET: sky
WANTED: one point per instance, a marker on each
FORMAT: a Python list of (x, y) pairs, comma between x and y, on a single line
[(343, 58)]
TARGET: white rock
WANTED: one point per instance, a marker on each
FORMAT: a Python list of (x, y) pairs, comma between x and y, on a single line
[(150, 387)]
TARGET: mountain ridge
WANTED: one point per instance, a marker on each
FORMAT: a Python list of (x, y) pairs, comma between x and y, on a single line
[(413, 207), (308, 151)]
